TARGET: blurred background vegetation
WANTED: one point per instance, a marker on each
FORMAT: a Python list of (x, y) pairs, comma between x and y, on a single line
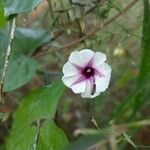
[(45, 37)]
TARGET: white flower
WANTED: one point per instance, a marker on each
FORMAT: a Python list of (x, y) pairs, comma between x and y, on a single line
[(87, 73)]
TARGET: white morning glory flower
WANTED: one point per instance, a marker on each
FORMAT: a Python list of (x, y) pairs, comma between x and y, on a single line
[(87, 73)]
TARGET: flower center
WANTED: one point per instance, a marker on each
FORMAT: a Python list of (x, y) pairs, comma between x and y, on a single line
[(88, 72)]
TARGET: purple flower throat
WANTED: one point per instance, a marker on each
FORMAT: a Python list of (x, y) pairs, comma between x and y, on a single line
[(88, 72)]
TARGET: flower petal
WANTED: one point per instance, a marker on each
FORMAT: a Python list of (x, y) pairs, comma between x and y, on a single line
[(69, 69), (89, 88), (79, 87), (104, 69), (87, 55), (101, 83), (69, 79), (99, 58), (74, 79), (75, 58), (95, 94)]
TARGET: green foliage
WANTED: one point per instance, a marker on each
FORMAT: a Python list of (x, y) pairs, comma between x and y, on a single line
[(19, 72), (145, 61), (2, 17), (33, 121), (134, 101), (27, 40), (51, 137), (22, 138), (84, 142), (21, 68), (125, 108), (20, 6)]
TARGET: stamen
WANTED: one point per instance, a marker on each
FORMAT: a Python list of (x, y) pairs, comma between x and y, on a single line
[(88, 72)]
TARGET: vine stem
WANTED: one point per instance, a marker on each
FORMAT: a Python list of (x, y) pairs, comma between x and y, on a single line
[(7, 58), (88, 35)]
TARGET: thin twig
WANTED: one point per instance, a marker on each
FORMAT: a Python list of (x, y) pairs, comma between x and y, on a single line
[(81, 32), (68, 46), (51, 8), (7, 58)]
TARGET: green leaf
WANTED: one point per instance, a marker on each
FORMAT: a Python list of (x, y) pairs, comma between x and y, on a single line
[(42, 103), (2, 17), (51, 138), (19, 72), (20, 6), (26, 133), (22, 139), (27, 40), (84, 142), (145, 61)]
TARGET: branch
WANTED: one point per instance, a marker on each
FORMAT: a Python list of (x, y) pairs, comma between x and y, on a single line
[(68, 46), (7, 58), (51, 9)]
